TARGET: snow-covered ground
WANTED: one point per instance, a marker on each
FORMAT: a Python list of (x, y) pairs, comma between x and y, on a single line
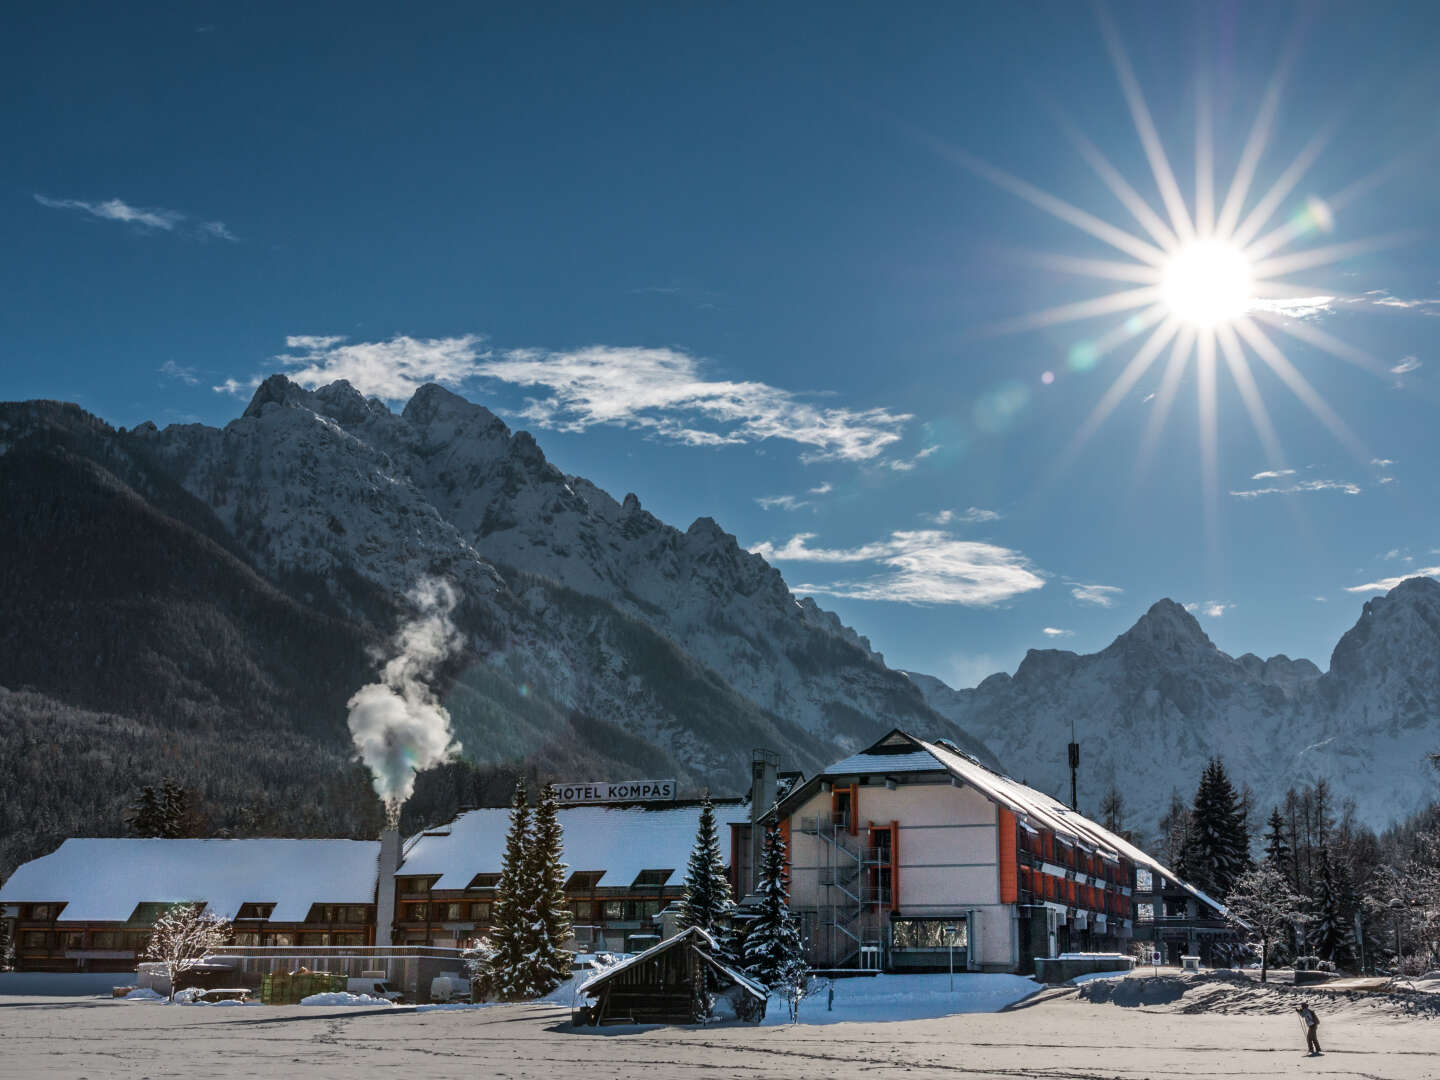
[(1054, 1035)]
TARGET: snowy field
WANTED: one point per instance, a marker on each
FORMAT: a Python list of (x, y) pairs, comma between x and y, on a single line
[(1052, 1034)]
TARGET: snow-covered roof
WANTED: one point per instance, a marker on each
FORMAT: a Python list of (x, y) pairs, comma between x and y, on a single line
[(693, 934), (619, 841), (1033, 808), (102, 880)]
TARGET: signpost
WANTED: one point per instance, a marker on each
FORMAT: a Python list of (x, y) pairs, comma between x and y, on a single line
[(603, 791), (950, 935)]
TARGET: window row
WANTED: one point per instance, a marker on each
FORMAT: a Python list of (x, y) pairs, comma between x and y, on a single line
[(583, 911)]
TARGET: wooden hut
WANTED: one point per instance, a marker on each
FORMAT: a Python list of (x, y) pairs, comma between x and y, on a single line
[(670, 983)]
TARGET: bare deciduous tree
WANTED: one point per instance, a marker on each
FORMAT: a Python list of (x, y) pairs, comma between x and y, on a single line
[(183, 937), (1262, 904)]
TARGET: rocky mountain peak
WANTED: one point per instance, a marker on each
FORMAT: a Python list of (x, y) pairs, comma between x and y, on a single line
[(1393, 629), (1167, 628)]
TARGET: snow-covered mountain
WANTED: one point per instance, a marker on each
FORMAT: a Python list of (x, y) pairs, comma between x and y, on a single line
[(1153, 706), (594, 631)]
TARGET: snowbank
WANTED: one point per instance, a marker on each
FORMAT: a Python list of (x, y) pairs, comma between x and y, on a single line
[(144, 993), (342, 998), (1089, 975), (907, 997)]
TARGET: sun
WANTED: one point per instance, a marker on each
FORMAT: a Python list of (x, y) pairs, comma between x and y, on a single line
[(1208, 283)]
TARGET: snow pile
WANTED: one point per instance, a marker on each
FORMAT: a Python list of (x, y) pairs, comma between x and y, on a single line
[(143, 993), (1090, 976), (907, 997), (340, 997)]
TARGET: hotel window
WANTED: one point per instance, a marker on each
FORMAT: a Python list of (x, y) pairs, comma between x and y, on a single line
[(614, 909), (484, 881), (254, 911), (40, 911), (287, 940), (454, 912), (35, 939), (247, 937), (74, 939), (357, 913), (314, 939), (480, 912), (417, 912), (104, 939), (1144, 880), (348, 939), (649, 879), (583, 909)]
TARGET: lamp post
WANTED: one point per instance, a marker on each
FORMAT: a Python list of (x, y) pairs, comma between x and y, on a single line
[(950, 936)]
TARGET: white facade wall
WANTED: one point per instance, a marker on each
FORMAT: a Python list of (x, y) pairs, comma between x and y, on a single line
[(948, 859)]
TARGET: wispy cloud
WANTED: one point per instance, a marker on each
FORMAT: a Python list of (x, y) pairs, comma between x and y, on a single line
[(1099, 595), (824, 489), (140, 216), (922, 567), (1300, 487), (1273, 474), (1382, 462), (1383, 298), (179, 372), (971, 516), (1295, 307), (1056, 632), (1214, 609), (1406, 365), (661, 392), (782, 502), (1386, 584)]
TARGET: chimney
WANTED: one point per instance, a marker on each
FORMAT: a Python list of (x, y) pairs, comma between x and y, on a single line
[(764, 782), (385, 887)]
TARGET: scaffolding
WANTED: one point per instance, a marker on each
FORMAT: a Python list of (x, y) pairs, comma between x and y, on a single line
[(850, 899)]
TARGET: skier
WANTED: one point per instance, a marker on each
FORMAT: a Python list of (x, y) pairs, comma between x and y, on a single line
[(1311, 1022)]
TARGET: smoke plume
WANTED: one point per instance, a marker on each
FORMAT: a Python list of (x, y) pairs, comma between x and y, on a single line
[(398, 726)]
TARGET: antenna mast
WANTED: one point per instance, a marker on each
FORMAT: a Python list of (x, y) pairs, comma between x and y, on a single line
[(1074, 768)]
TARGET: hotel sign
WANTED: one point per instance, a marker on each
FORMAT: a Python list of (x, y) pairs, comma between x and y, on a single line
[(602, 791)]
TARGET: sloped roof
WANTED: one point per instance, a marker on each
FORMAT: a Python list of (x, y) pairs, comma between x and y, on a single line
[(1032, 807), (619, 841), (695, 936), (102, 880)]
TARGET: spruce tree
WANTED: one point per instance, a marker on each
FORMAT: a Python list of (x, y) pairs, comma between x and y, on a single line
[(513, 938), (549, 916), (1332, 923), (773, 953), (707, 900), (146, 816), (1218, 851), (1277, 848)]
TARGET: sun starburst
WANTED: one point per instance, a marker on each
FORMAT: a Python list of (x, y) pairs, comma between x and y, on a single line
[(1200, 283)]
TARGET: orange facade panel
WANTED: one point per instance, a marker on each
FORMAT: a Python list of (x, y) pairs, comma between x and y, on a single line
[(1009, 876)]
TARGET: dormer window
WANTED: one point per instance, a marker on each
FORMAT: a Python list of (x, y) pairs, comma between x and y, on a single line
[(484, 881), (584, 880), (651, 879), (254, 911)]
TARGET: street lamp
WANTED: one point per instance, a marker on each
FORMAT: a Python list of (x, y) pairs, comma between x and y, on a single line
[(950, 935)]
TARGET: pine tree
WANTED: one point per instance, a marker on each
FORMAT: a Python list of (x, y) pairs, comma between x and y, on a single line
[(512, 938), (1112, 811), (774, 955), (707, 900), (1218, 851), (174, 808), (549, 915), (1175, 829), (1277, 848)]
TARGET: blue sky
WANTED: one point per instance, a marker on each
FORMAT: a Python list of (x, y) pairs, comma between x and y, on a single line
[(754, 262)]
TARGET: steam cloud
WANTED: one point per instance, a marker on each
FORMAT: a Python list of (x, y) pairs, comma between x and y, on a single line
[(398, 727)]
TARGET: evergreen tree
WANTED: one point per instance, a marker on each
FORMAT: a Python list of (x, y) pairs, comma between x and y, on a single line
[(146, 814), (7, 943), (174, 809), (1332, 929), (1277, 848), (549, 915), (513, 938), (1218, 851), (707, 901), (1112, 811), (1175, 829), (774, 955)]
